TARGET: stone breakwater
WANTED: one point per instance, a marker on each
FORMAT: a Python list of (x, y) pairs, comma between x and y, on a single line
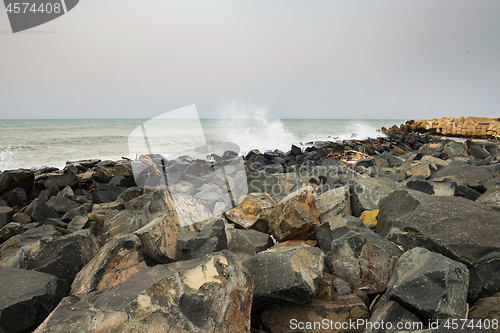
[(461, 127), (402, 229)]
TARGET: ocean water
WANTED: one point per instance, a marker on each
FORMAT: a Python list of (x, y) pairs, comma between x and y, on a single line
[(37, 143)]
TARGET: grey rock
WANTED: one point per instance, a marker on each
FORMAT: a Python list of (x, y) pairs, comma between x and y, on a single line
[(22, 218), (478, 152), (11, 179), (104, 193), (333, 202), (68, 193), (194, 245), (72, 213), (77, 223), (358, 255), (430, 285), (290, 274), (366, 193), (41, 211), (247, 243), (263, 182), (16, 197), (491, 197), (61, 204), (58, 179), (459, 228), (124, 222), (27, 298)]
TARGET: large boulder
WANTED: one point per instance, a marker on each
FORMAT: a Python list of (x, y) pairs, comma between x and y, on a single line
[(61, 204), (104, 193), (358, 255), (295, 217), (366, 193), (247, 243), (57, 179), (252, 212), (290, 274), (16, 197), (44, 250), (468, 175), (430, 285), (461, 229), (27, 298), (491, 197), (125, 222), (211, 294), (333, 202), (193, 244), (39, 211), (113, 264), (273, 184), (11, 179), (105, 174), (190, 210)]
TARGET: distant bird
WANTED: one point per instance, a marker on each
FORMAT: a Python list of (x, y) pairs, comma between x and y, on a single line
[(468, 51)]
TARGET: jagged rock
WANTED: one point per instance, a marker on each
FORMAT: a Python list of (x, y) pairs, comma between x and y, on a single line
[(58, 179), (77, 223), (290, 274), (429, 284), (366, 193), (129, 194), (104, 193), (56, 223), (16, 197), (5, 215), (315, 316), (27, 298), (253, 212), (478, 152), (456, 227), (125, 222), (468, 175), (159, 237), (358, 255), (41, 211), (114, 263), (291, 243), (183, 187), (439, 163), (421, 170), (72, 213), (295, 217), (247, 243), (21, 218), (454, 149), (3, 203), (43, 249), (391, 312), (68, 193), (61, 204), (194, 245), (333, 202), (491, 197), (104, 175), (212, 294), (11, 179)]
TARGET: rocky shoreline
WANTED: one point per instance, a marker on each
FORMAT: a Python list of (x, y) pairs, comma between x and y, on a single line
[(337, 237)]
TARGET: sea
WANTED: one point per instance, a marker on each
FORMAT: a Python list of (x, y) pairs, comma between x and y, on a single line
[(51, 143)]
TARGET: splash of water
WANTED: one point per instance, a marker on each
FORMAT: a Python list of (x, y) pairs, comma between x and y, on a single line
[(250, 126)]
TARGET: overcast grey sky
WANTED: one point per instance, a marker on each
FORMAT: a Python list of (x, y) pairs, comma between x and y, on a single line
[(304, 59)]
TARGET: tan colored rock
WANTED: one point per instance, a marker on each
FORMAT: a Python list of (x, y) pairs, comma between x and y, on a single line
[(113, 264), (295, 217), (212, 294), (333, 202), (419, 170), (253, 212), (294, 243), (369, 218)]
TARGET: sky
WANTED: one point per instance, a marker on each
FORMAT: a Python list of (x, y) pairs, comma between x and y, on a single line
[(301, 59)]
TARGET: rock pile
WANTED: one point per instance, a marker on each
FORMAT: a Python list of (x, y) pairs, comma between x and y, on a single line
[(463, 127), (406, 232)]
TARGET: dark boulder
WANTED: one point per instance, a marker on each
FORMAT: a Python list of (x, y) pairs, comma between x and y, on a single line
[(61, 204), (461, 229), (27, 298), (5, 215), (104, 193), (194, 245), (16, 197), (358, 255), (41, 211), (430, 285), (11, 179), (290, 274)]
